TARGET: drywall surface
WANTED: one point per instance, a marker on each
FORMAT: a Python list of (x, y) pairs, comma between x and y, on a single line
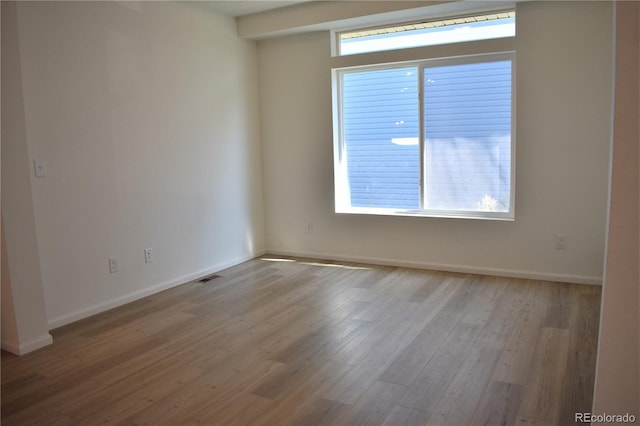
[(564, 74), (24, 321), (310, 15), (146, 115), (9, 325), (617, 385)]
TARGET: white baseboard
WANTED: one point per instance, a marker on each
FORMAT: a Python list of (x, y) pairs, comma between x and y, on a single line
[(96, 309), (18, 348), (511, 273), (101, 307)]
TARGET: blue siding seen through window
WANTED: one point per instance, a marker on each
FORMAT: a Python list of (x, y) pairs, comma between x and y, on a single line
[(467, 130), (378, 107), (467, 119)]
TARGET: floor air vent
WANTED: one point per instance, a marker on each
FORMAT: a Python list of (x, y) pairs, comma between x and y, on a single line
[(207, 278)]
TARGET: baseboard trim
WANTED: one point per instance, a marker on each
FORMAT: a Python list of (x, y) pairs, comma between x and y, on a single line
[(18, 348), (96, 309), (114, 303), (511, 273)]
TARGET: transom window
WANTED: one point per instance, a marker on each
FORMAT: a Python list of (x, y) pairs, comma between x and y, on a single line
[(428, 33)]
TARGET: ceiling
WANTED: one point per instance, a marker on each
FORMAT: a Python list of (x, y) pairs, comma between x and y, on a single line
[(246, 7)]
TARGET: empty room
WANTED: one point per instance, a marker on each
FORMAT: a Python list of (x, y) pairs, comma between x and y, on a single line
[(320, 212)]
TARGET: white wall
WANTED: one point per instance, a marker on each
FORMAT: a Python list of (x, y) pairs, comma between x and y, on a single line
[(314, 15), (146, 113), (564, 56), (24, 321), (617, 384)]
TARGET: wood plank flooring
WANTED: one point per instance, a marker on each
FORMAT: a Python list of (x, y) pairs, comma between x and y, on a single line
[(288, 341)]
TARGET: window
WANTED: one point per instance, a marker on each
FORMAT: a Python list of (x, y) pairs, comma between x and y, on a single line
[(452, 30), (429, 138)]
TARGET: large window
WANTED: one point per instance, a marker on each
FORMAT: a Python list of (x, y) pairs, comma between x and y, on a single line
[(430, 138)]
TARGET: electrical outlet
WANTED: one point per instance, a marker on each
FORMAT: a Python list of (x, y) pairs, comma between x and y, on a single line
[(40, 168), (561, 242), (114, 265), (148, 255), (310, 228)]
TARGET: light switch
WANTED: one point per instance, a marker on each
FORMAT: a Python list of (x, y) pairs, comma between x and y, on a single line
[(41, 168)]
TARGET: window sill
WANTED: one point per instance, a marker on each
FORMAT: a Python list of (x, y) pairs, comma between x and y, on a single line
[(443, 214)]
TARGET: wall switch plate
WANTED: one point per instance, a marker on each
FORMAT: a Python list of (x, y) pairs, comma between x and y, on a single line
[(148, 255), (561, 242), (40, 168), (114, 265)]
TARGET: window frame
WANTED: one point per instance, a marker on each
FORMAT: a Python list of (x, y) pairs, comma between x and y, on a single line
[(336, 43), (341, 183)]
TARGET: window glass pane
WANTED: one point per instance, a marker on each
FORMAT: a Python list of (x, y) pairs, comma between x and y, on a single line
[(467, 119), (380, 135), (454, 30)]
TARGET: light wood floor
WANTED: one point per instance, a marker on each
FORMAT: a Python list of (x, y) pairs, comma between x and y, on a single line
[(309, 342)]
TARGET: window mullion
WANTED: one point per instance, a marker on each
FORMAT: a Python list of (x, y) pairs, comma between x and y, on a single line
[(421, 133)]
